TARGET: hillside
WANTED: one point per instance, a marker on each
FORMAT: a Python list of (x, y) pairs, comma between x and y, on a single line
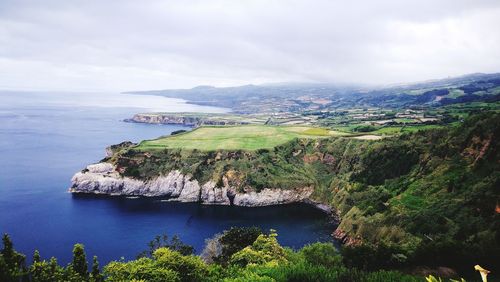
[(432, 196), (307, 97)]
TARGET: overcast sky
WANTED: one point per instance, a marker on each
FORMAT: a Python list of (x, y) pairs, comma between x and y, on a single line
[(139, 45)]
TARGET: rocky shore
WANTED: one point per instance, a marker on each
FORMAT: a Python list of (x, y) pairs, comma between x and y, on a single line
[(102, 178)]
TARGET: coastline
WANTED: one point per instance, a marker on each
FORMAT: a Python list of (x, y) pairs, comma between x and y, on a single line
[(102, 180)]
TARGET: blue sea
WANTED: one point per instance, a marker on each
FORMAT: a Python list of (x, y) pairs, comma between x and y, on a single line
[(45, 137)]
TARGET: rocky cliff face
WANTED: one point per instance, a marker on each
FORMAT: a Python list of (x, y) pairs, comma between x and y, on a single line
[(195, 121), (102, 178), (164, 119)]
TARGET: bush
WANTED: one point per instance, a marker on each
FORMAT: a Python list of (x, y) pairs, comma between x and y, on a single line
[(364, 128), (140, 269), (162, 241), (372, 257), (265, 249), (188, 268), (304, 272), (175, 132), (323, 254), (234, 240), (166, 265)]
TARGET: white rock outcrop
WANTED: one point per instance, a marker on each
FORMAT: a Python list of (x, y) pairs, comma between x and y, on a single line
[(102, 178), (269, 197), (210, 194)]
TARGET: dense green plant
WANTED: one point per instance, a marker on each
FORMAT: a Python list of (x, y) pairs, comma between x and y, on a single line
[(265, 250), (163, 241), (12, 263), (141, 269), (364, 128), (95, 275), (322, 254), (166, 265), (79, 263), (235, 239), (263, 260), (47, 271)]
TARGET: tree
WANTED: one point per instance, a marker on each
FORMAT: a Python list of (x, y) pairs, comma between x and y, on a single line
[(4, 269), (236, 239), (161, 241), (265, 249), (213, 249), (56, 271), (79, 263), (176, 244), (40, 272), (36, 257), (96, 275), (324, 254), (14, 262)]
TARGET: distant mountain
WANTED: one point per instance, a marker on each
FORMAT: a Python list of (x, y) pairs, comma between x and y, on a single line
[(297, 97)]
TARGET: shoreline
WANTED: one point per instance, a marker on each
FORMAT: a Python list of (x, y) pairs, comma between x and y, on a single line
[(338, 236)]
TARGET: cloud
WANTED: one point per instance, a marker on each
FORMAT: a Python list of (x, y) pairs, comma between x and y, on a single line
[(132, 45)]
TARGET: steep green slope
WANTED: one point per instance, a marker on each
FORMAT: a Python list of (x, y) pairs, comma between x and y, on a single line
[(432, 195)]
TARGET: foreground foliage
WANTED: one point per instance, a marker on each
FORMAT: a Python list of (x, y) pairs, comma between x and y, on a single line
[(263, 260)]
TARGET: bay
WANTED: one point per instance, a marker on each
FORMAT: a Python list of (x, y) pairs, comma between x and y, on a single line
[(45, 137)]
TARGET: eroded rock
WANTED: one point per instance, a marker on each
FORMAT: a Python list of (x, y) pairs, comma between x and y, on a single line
[(102, 178)]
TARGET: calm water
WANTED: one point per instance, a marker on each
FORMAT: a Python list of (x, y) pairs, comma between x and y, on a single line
[(46, 137)]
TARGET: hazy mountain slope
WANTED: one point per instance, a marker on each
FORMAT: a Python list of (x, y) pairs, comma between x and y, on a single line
[(303, 97)]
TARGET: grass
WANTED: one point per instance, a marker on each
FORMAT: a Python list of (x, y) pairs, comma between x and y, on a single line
[(249, 137), (405, 120), (391, 130), (386, 130), (455, 93)]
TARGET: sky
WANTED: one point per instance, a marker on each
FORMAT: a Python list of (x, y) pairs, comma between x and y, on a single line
[(142, 45)]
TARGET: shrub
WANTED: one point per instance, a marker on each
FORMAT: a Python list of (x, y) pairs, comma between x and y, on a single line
[(234, 240), (324, 254), (188, 268), (140, 269), (265, 249), (175, 132)]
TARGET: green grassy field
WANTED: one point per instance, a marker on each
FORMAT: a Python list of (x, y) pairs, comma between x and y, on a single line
[(251, 137), (385, 130)]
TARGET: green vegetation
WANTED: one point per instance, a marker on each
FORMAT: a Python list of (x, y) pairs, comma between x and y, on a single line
[(162, 241), (223, 246), (430, 196), (260, 259), (251, 137), (13, 266)]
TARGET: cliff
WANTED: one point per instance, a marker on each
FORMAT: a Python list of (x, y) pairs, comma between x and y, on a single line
[(102, 178), (165, 119), (188, 119)]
